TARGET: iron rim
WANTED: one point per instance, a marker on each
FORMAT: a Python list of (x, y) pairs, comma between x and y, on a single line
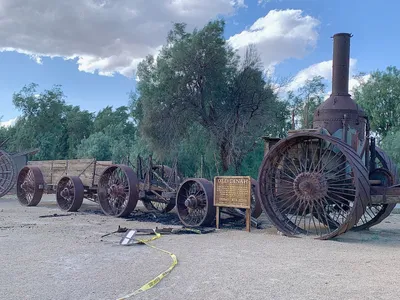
[(317, 193), (70, 193), (195, 202), (118, 191)]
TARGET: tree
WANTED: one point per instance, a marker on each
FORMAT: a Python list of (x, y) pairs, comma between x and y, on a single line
[(306, 100), (379, 96), (198, 80)]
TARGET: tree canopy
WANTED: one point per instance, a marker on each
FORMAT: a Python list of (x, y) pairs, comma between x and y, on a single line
[(197, 83)]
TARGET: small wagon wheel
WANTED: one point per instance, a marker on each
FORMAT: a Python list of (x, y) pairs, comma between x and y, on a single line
[(117, 190), (70, 192), (195, 202), (308, 177), (7, 173), (30, 186), (167, 175), (376, 213)]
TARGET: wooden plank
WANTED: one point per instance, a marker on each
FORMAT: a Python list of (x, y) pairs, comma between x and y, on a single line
[(100, 167)]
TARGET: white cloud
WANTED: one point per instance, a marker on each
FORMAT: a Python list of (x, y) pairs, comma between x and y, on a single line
[(103, 35), (8, 123), (323, 69), (280, 35), (111, 37)]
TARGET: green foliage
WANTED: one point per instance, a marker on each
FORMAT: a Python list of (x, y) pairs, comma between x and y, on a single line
[(380, 98), (306, 99), (197, 83)]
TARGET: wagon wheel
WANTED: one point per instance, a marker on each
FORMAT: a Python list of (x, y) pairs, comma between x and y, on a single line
[(30, 186), (195, 202), (307, 177), (70, 193), (7, 173), (168, 177), (376, 213), (117, 190)]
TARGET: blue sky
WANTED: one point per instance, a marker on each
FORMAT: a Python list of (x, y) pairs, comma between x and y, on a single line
[(106, 39)]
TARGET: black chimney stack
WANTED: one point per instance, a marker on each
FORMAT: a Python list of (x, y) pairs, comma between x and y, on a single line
[(341, 61)]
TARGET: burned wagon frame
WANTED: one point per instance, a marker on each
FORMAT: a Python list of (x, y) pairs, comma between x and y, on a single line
[(117, 188)]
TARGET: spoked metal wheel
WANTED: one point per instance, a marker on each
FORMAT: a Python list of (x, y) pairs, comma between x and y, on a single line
[(30, 186), (7, 173), (117, 191), (308, 178), (70, 192), (195, 202), (163, 179), (376, 213)]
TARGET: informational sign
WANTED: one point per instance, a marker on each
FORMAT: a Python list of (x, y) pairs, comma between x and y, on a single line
[(233, 192)]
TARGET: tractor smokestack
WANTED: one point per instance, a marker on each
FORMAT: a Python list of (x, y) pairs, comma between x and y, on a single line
[(341, 62), (339, 114)]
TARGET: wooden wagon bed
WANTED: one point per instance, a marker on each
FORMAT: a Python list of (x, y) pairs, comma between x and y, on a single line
[(88, 170)]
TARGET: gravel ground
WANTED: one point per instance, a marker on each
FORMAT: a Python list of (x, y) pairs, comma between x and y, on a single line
[(66, 258)]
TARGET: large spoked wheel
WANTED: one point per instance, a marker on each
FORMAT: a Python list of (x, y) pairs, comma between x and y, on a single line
[(7, 173), (376, 213), (163, 179), (313, 184), (195, 202), (30, 186), (70, 193), (117, 191)]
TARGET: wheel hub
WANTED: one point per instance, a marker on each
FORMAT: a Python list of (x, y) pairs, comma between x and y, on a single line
[(116, 190), (191, 202), (310, 185), (65, 193), (25, 186)]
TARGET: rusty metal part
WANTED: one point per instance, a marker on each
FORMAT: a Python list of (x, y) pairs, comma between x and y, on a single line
[(163, 186), (7, 173), (195, 202), (330, 113), (30, 186), (308, 177), (376, 213), (70, 193), (117, 190)]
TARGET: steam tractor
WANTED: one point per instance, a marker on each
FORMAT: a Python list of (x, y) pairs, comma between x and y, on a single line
[(324, 181)]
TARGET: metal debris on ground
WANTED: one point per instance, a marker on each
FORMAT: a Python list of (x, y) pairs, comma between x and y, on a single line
[(55, 215)]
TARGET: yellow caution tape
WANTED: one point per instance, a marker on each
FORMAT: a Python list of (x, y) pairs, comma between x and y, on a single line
[(156, 280)]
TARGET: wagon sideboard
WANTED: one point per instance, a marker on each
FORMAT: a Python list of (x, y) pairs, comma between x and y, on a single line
[(88, 170)]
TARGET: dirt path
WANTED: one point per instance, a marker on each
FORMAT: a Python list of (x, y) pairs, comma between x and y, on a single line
[(65, 258)]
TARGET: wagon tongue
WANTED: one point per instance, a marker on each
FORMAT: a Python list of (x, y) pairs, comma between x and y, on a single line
[(330, 113)]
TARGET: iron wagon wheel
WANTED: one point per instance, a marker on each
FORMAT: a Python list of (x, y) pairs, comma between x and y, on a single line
[(70, 192), (307, 177), (255, 205), (195, 202), (7, 173), (167, 176), (117, 190), (375, 214), (30, 186)]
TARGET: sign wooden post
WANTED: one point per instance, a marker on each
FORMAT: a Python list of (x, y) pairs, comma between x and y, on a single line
[(232, 191)]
